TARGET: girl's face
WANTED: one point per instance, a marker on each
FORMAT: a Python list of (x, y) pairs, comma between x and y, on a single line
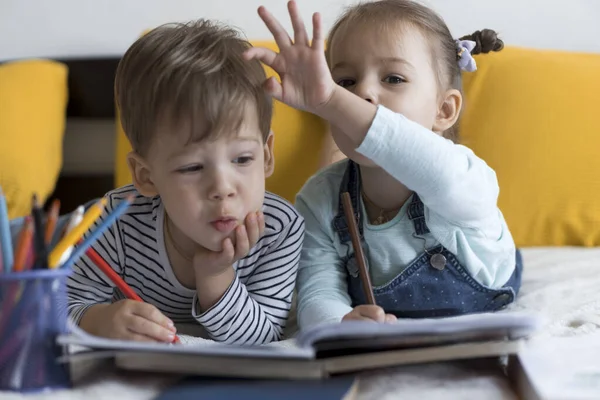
[(392, 67)]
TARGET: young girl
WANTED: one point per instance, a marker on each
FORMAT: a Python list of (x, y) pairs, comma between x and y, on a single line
[(390, 86)]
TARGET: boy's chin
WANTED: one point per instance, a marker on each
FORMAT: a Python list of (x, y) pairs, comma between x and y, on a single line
[(216, 242)]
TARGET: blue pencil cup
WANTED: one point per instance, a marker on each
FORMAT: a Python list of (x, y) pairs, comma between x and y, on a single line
[(32, 313)]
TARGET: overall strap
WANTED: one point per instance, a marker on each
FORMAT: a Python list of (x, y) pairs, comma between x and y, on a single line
[(351, 184), (416, 213)]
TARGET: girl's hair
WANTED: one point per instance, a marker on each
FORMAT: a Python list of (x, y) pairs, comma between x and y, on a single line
[(388, 13)]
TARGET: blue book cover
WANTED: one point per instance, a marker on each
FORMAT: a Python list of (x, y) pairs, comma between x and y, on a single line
[(193, 388)]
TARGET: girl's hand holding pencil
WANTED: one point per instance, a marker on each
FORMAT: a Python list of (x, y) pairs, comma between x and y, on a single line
[(369, 312)]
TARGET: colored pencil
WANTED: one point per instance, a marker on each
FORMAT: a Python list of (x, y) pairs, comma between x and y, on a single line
[(41, 250), (5, 236), (115, 278), (75, 220), (358, 251), (76, 233), (51, 221), (94, 235), (24, 245)]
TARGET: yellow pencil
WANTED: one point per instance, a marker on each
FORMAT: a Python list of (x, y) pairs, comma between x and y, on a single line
[(76, 233)]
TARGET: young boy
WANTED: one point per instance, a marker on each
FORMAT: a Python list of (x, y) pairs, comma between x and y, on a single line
[(202, 242)]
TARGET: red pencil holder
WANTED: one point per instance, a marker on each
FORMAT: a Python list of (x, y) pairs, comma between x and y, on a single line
[(33, 311)]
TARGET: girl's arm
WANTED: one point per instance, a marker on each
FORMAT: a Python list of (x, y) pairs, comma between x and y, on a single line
[(451, 180), (322, 288)]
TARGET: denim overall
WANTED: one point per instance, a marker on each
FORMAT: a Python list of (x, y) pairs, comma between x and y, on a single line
[(435, 284)]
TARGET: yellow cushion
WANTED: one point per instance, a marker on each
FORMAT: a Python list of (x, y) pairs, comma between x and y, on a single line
[(533, 116), (298, 140), (33, 100)]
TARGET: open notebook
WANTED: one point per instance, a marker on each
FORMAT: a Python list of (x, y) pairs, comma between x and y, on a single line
[(324, 350)]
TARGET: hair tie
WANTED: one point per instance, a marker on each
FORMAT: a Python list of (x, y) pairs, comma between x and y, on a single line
[(466, 62)]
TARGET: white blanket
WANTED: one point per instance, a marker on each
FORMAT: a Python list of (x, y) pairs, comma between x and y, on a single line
[(562, 284)]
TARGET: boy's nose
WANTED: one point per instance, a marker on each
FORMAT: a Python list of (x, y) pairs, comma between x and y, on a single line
[(222, 192), (222, 189)]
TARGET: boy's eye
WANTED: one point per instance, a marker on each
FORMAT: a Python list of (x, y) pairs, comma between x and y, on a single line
[(394, 79), (346, 82), (191, 169), (243, 160)]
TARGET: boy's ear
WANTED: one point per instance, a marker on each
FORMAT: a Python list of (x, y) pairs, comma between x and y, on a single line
[(449, 111), (140, 174), (269, 156)]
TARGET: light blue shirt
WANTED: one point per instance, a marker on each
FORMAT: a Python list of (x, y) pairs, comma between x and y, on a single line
[(459, 192)]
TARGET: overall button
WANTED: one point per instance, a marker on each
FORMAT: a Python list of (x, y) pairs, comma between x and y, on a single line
[(438, 261), (503, 297), (502, 300)]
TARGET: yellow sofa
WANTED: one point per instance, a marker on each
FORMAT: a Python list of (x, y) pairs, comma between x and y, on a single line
[(33, 102), (529, 113)]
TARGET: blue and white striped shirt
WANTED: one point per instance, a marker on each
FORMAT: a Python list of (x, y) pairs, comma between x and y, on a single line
[(253, 310)]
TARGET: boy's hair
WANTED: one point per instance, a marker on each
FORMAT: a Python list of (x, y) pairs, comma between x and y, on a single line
[(388, 13), (189, 76)]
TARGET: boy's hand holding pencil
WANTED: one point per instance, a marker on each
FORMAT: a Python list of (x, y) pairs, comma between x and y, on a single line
[(128, 320)]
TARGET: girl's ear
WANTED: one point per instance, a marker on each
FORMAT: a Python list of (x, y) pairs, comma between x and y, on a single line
[(140, 174), (449, 111)]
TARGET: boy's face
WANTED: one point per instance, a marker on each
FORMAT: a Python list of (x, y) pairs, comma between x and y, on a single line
[(209, 187)]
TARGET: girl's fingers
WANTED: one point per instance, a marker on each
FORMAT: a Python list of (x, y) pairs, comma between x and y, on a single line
[(279, 34), (318, 40), (274, 88), (390, 319), (267, 56), (300, 34)]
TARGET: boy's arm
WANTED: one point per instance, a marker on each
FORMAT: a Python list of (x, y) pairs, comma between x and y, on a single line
[(322, 280), (256, 312)]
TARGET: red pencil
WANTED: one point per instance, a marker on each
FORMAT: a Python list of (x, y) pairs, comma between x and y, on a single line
[(115, 278)]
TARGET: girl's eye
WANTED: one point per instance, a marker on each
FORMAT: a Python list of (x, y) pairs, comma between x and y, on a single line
[(190, 169), (394, 79), (243, 160), (345, 82)]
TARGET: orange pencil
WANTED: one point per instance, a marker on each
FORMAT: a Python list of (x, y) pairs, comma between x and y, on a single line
[(51, 221), (24, 244)]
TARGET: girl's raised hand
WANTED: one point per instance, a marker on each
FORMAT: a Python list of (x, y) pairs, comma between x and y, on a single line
[(306, 82)]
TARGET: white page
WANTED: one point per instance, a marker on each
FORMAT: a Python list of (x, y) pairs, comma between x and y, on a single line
[(564, 368), (516, 324), (191, 346)]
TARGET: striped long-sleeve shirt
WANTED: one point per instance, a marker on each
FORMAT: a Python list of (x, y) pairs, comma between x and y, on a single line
[(253, 310)]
